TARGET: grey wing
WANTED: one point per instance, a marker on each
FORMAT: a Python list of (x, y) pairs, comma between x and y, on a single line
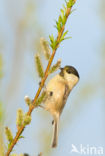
[(66, 94)]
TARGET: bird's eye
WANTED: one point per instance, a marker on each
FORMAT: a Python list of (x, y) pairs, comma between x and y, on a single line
[(68, 71)]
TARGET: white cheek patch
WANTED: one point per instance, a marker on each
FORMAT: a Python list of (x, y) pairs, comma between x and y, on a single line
[(72, 79)]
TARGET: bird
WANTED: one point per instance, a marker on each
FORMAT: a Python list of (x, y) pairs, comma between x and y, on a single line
[(58, 90)]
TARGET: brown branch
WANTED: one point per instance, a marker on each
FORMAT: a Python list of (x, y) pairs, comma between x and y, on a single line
[(32, 106)]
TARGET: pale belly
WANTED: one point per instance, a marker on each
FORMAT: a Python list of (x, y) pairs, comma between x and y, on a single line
[(54, 102)]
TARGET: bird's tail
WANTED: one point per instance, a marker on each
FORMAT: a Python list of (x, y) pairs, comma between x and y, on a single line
[(55, 133)]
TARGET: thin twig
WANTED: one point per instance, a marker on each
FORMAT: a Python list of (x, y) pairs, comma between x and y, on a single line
[(32, 106)]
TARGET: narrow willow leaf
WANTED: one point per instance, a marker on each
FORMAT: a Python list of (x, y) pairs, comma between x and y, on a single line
[(63, 15), (58, 26), (64, 7), (67, 38), (51, 38), (64, 34), (70, 3), (53, 42), (21, 137)]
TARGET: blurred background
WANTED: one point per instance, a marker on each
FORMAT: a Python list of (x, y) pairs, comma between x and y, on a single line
[(22, 23)]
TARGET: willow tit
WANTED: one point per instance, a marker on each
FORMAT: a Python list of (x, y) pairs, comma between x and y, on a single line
[(58, 90)]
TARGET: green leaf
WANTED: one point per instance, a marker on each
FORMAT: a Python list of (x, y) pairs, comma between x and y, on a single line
[(64, 7), (58, 26), (67, 38), (70, 3), (53, 42), (21, 137), (60, 21), (72, 11), (62, 13), (64, 34), (51, 38), (63, 16)]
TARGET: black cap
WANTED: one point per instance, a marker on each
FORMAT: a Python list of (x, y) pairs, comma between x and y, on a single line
[(70, 70)]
